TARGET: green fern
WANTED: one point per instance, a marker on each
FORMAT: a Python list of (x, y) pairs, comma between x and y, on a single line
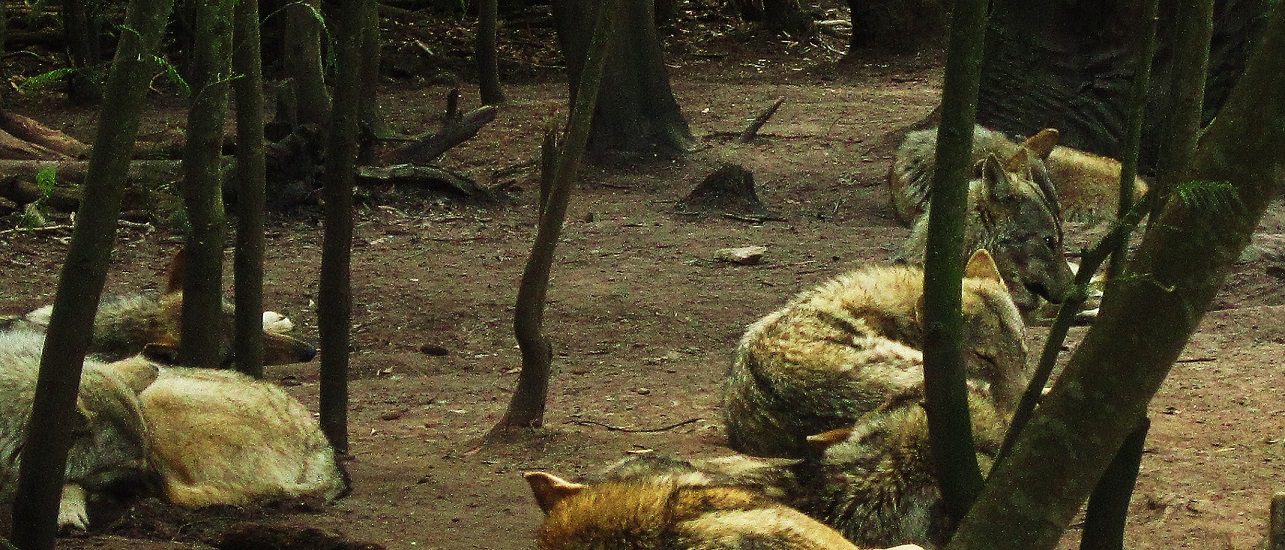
[(171, 72), (45, 80), (1213, 197), (46, 180)]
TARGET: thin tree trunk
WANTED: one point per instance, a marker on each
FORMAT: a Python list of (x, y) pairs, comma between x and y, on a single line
[(44, 453), (1276, 523), (636, 111), (1192, 33), (250, 194), (488, 76), (526, 409), (4, 74), (201, 337), (81, 29), (1182, 261), (334, 300), (303, 63), (1144, 53), (1108, 508), (372, 118), (954, 454)]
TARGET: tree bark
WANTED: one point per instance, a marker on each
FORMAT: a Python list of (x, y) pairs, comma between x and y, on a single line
[(201, 338), (488, 71), (1066, 64), (1183, 259), (82, 31), (954, 454), (1192, 32), (526, 409), (1276, 523), (250, 194), (636, 111), (1135, 112), (1108, 508), (302, 61), (81, 280), (372, 118), (334, 299)]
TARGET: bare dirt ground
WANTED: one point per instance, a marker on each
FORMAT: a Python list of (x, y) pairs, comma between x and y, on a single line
[(643, 320)]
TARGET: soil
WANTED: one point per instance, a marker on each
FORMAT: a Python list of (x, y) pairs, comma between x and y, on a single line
[(642, 318)]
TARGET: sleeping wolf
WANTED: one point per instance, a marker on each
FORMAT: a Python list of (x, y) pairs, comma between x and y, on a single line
[(1087, 185), (838, 350), (1011, 216), (662, 514), (127, 326), (109, 445)]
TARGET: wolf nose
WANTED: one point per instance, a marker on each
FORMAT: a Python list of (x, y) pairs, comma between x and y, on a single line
[(307, 355)]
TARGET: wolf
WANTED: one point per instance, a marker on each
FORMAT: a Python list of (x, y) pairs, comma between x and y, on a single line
[(110, 439), (130, 325), (840, 349), (221, 437), (1012, 216), (662, 514), (1087, 186)]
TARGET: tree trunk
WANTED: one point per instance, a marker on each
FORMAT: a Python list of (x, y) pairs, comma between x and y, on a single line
[(1108, 508), (201, 338), (1192, 32), (667, 11), (954, 454), (44, 453), (250, 194), (334, 299), (302, 61), (787, 16), (526, 409), (1135, 111), (372, 119), (1183, 259), (488, 72), (636, 111), (1066, 64), (4, 74), (82, 31)]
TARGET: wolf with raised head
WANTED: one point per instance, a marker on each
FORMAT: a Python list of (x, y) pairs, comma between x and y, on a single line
[(110, 439), (840, 349), (659, 513)]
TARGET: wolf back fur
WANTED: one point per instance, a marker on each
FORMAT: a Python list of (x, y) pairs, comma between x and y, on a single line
[(660, 514), (840, 349), (220, 437)]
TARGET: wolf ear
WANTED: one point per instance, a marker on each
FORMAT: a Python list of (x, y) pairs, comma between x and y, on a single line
[(824, 440), (1042, 143), (1018, 162), (549, 489), (982, 266), (163, 351), (995, 178), (174, 273), (136, 372)]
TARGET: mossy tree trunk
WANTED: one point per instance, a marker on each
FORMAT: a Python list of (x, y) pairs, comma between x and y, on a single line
[(303, 61), (334, 299), (636, 111), (526, 408), (44, 453), (372, 118), (82, 29), (1183, 259), (1067, 64), (250, 193), (488, 71), (1192, 33), (954, 454), (202, 333)]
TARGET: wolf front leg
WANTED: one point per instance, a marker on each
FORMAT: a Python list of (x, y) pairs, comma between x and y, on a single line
[(71, 509)]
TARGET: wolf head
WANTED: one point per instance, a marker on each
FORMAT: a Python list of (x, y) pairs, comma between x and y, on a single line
[(874, 482), (1017, 219)]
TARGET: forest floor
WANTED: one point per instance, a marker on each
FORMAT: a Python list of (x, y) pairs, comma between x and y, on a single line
[(642, 318)]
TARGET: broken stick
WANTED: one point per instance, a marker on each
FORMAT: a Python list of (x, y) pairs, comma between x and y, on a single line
[(753, 129), (456, 129)]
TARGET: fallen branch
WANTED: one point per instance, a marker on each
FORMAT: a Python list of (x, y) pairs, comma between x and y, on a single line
[(634, 430), (44, 137), (456, 129), (429, 177), (753, 129)]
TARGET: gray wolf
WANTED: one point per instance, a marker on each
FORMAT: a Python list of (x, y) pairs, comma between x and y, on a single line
[(840, 349), (661, 514), (110, 438), (1014, 218)]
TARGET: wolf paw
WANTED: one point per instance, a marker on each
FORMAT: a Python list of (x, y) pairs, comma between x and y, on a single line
[(277, 323), (72, 514)]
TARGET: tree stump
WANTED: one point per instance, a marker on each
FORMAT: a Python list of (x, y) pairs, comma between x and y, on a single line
[(728, 191)]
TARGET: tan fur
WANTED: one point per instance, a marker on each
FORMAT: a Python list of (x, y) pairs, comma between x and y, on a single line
[(840, 349), (220, 437), (650, 514), (1088, 185)]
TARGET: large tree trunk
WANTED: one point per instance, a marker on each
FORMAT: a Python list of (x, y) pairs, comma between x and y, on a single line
[(1182, 261), (302, 61), (488, 72), (636, 112), (1066, 64), (250, 194), (44, 454), (201, 339), (82, 31), (334, 299)]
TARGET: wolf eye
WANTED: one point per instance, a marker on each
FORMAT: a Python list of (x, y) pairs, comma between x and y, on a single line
[(1050, 242)]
